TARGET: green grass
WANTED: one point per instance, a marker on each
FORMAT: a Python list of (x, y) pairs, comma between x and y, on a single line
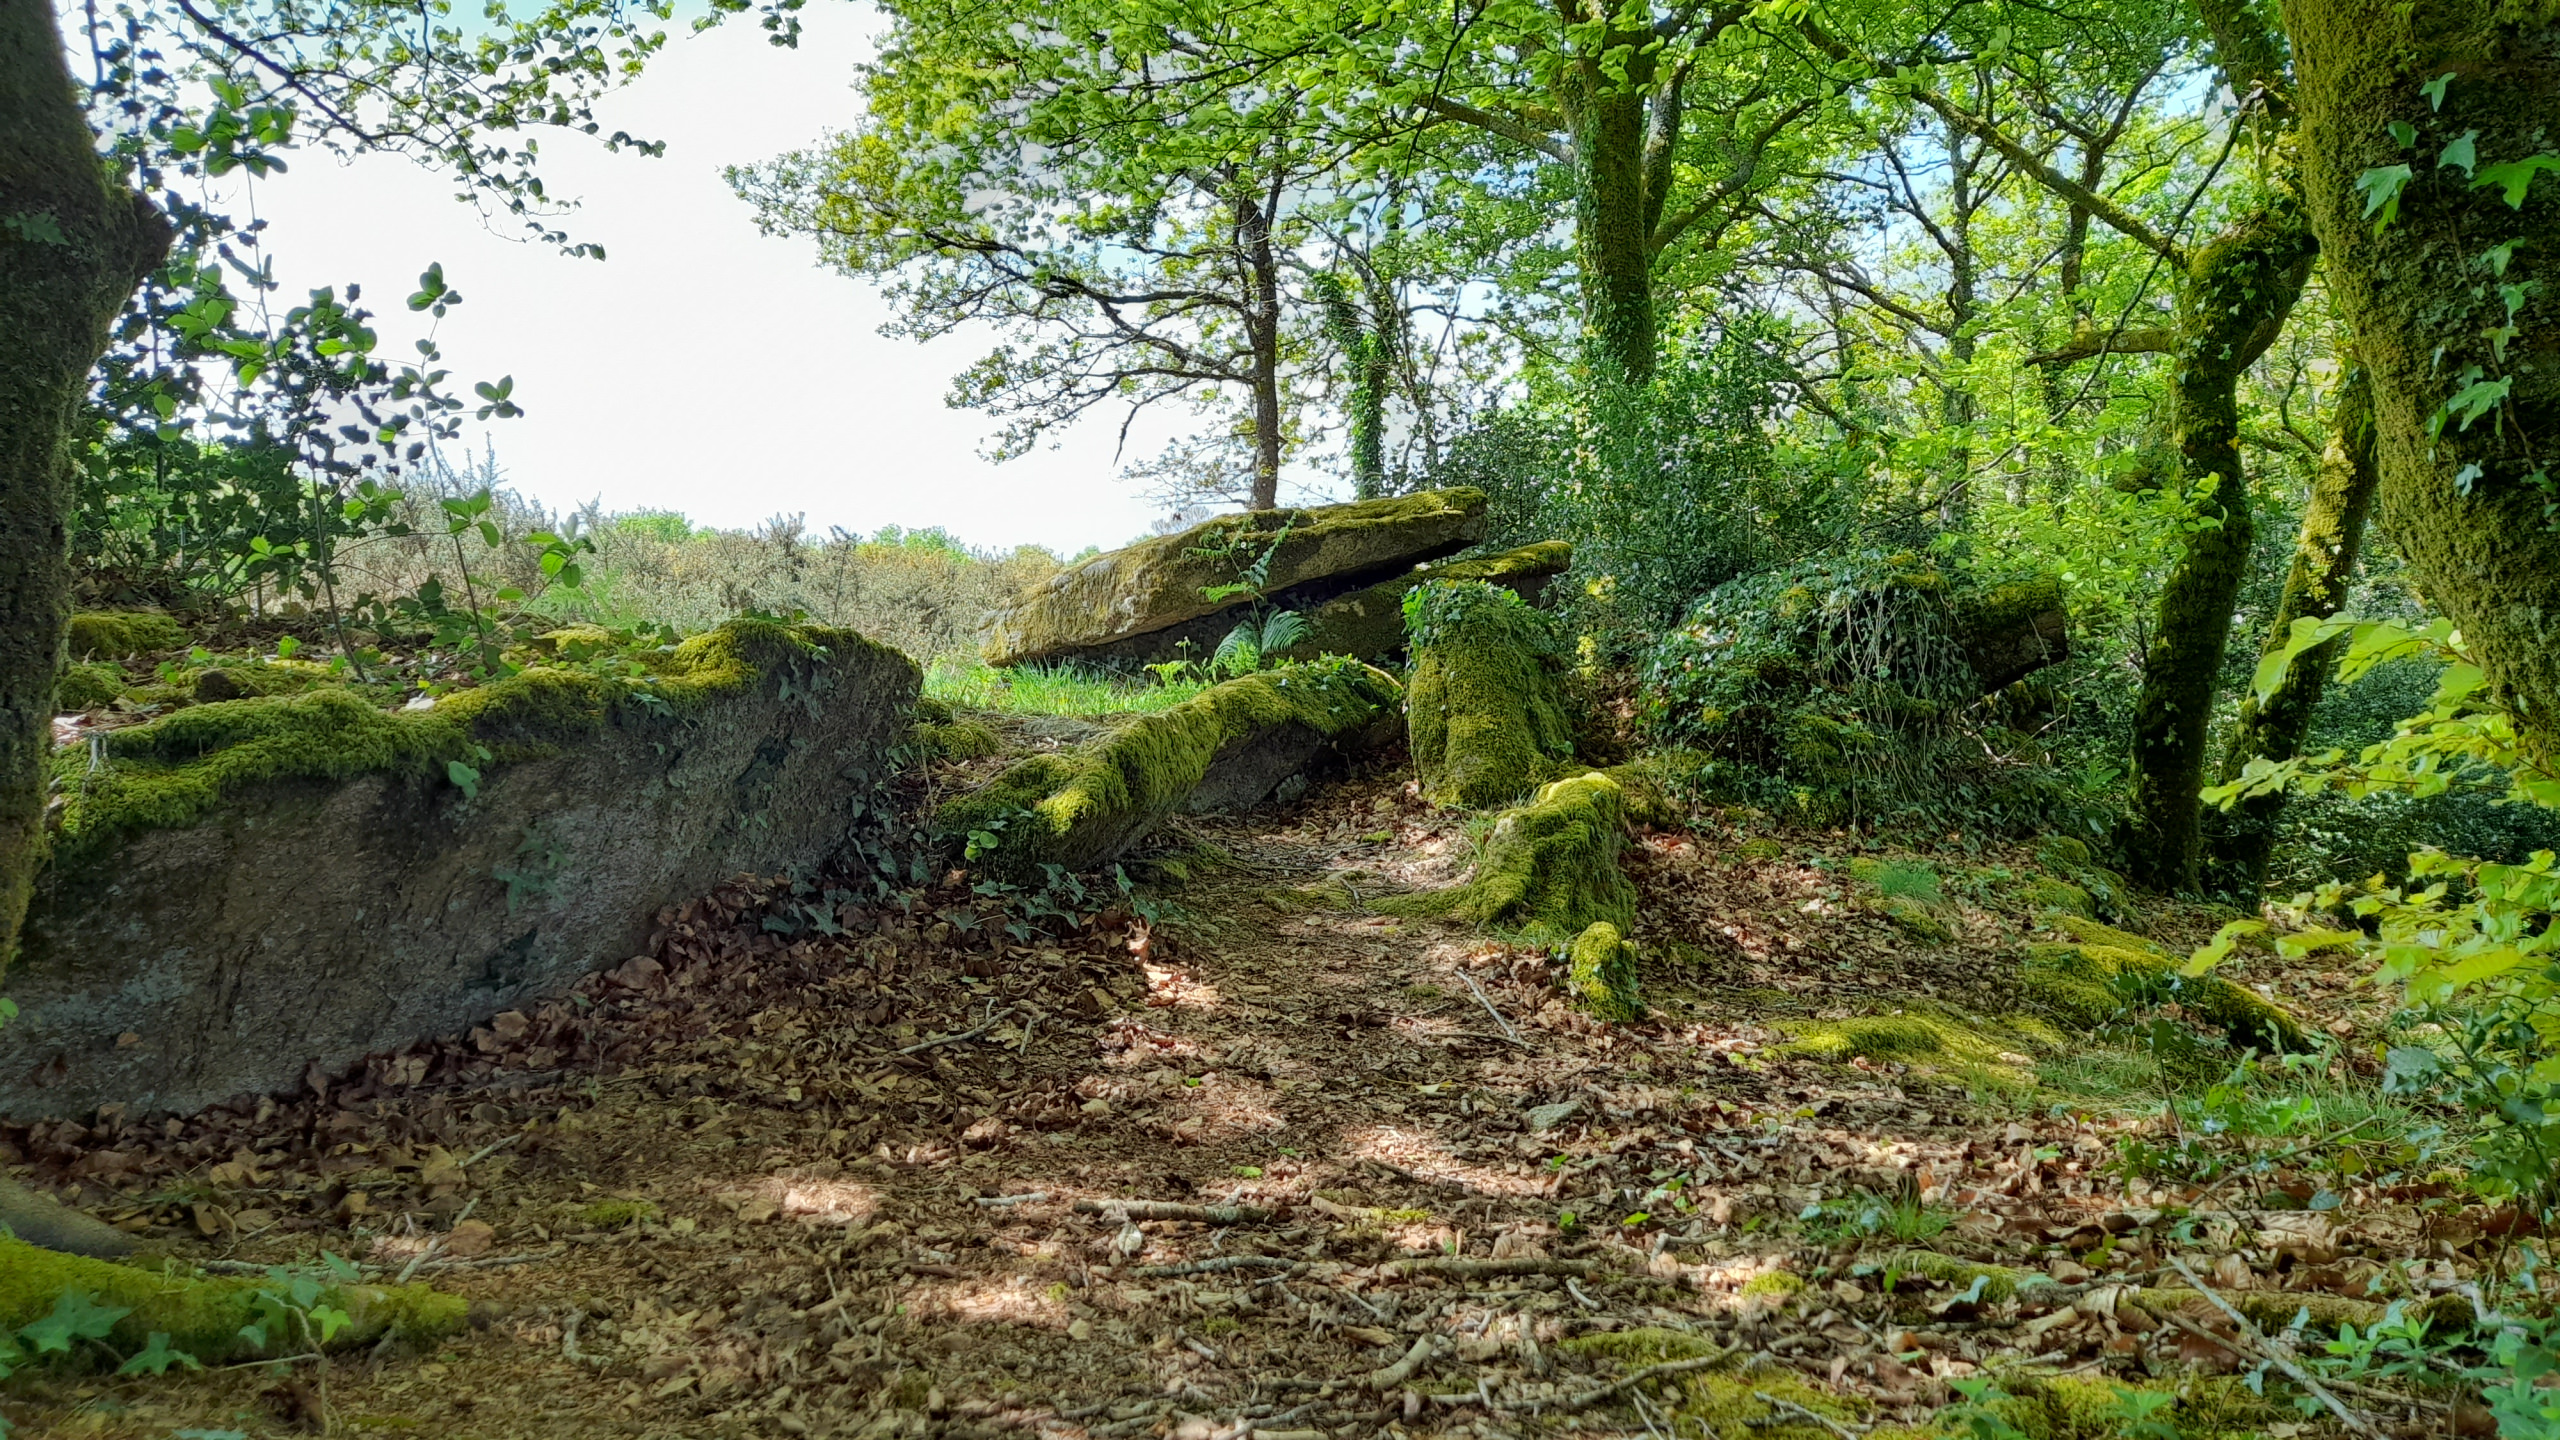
[(971, 683), (1869, 1216)]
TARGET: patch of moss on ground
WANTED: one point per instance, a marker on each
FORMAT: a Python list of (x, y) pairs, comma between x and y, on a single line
[(121, 634), (1600, 975), (1485, 714), (1925, 1036), (2046, 893), (957, 740), (1548, 869), (1079, 808), (1761, 849), (204, 1316), (617, 1214), (175, 770), (2094, 981), (1774, 1282)]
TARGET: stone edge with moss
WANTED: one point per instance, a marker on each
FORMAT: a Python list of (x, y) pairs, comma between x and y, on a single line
[(1548, 869), (174, 771), (1485, 712), (1080, 807), (2091, 981), (203, 1315)]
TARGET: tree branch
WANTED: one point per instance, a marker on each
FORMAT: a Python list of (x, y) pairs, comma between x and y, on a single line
[(1501, 125)]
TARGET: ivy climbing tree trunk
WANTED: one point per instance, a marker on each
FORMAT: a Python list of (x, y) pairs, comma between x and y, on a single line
[(1606, 116), (2238, 291), (1365, 354), (2451, 292), (2315, 587), (73, 245)]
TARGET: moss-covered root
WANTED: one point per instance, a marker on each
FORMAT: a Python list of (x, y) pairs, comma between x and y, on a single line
[(42, 1220), (2089, 982), (203, 1317), (1549, 869), (1486, 715), (119, 634), (1081, 807), (1601, 974)]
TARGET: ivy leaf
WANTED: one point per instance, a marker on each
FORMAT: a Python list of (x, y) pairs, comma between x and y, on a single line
[(75, 1317), (156, 1357), (464, 778), (2513, 177), (2404, 132), (2478, 398), (2464, 152), (2382, 186), (2434, 90)]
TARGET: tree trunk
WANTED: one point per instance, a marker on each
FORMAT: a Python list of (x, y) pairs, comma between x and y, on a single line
[(2444, 312), (1364, 354), (73, 245), (1606, 118), (1262, 331), (2315, 587), (2238, 292)]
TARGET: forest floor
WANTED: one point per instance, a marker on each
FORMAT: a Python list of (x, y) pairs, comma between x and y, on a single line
[(1417, 1194)]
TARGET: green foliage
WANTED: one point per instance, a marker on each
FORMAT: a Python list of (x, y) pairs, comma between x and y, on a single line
[(1839, 689), (1899, 1215), (967, 681)]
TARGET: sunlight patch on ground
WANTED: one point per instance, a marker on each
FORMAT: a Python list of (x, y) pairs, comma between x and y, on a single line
[(1425, 1156), (1172, 987), (1010, 1300)]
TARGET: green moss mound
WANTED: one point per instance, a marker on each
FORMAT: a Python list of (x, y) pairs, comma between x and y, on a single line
[(122, 634), (1485, 712), (86, 685), (1369, 624), (203, 1316), (1600, 974), (2093, 1408), (1079, 808), (258, 679), (2093, 981), (1548, 869), (958, 740), (175, 770), (1923, 1034)]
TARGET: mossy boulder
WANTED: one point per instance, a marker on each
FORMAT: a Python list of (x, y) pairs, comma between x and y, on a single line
[(252, 888), (1130, 607), (1226, 748), (121, 634), (86, 685), (1485, 712), (2104, 971), (204, 1316), (256, 679), (1548, 869), (1369, 624), (1922, 1034), (1600, 974)]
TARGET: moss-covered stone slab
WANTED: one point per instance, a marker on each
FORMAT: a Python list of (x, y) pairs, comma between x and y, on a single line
[(248, 889), (121, 634), (1369, 624), (1130, 607), (1486, 714), (204, 1316), (1548, 869), (2092, 981), (1226, 748)]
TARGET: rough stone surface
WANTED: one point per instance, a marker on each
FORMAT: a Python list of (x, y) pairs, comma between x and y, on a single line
[(1369, 624), (293, 921), (1224, 749), (1136, 605)]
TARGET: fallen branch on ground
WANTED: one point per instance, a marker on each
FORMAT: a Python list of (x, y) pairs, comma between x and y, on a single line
[(1620, 1386), (1391, 1376), (1167, 1210), (1211, 1266), (1788, 1412), (2355, 1420), (1457, 1268), (993, 1022)]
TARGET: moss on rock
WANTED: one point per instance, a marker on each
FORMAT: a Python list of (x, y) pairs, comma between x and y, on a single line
[(203, 1316), (122, 634), (1161, 582), (1548, 869), (1485, 713), (1922, 1033), (958, 740), (1369, 624), (1600, 974), (2045, 893), (2092, 982), (86, 685), (1081, 807), (175, 770)]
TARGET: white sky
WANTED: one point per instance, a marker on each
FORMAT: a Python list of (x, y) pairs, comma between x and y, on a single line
[(702, 367)]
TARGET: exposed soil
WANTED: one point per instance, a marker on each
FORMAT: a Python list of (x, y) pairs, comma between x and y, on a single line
[(703, 1196)]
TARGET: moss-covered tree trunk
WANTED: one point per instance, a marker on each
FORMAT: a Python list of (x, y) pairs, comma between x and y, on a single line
[(73, 245), (2453, 300), (1365, 354), (2315, 587), (2237, 292), (1607, 117)]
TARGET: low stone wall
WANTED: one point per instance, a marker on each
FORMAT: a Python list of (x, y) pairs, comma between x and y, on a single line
[(256, 890)]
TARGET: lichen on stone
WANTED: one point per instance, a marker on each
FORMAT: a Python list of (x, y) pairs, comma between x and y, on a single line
[(1081, 807), (1600, 974), (1547, 869), (121, 634), (203, 1316), (1485, 711)]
